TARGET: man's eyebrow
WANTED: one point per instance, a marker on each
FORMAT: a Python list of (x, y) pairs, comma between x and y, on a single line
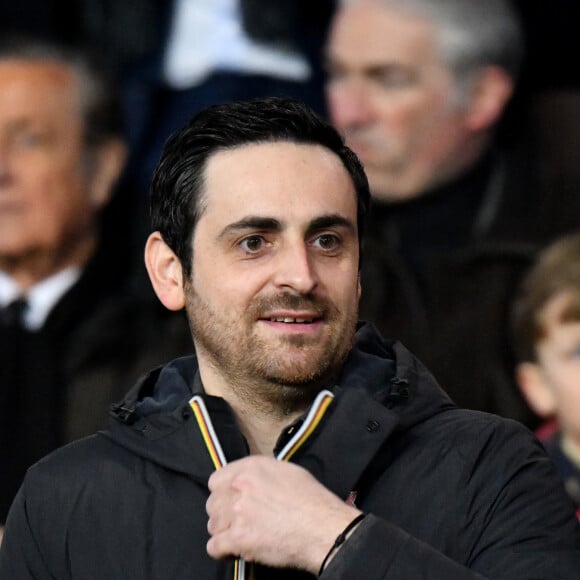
[(251, 223), (371, 69), (330, 221), (274, 225)]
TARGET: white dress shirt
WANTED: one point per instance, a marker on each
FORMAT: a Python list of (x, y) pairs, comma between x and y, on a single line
[(207, 35), (41, 298)]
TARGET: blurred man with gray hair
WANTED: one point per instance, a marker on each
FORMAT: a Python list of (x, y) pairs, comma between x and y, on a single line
[(419, 87)]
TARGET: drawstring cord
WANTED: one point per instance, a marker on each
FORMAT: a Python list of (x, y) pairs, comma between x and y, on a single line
[(214, 448)]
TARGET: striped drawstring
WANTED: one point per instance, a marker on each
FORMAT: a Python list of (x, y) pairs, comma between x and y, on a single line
[(311, 422)]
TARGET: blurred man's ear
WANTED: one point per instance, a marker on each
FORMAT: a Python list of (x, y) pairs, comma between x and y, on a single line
[(535, 389), (165, 272), (490, 93), (107, 163)]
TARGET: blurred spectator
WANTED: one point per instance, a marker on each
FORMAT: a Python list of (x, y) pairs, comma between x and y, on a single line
[(76, 327), (419, 89), (546, 323), (174, 57), (213, 51)]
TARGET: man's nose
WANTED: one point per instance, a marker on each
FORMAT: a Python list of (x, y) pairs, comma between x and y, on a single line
[(5, 165), (349, 103), (295, 269), (5, 172)]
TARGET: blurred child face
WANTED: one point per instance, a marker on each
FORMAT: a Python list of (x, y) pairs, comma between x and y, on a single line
[(559, 364)]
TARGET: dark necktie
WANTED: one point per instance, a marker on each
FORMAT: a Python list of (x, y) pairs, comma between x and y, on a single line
[(13, 313)]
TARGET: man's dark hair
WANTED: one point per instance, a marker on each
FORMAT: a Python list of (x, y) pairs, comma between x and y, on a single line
[(100, 101), (178, 180)]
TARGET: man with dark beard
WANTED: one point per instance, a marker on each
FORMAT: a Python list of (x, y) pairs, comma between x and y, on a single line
[(296, 441)]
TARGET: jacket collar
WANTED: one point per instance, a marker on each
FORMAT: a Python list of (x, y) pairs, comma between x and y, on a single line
[(382, 388)]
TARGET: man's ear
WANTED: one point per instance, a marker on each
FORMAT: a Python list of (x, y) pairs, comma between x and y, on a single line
[(165, 272), (535, 389), (490, 92), (106, 165)]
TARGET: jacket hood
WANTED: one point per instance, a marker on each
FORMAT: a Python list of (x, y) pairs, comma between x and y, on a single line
[(152, 421), (393, 376)]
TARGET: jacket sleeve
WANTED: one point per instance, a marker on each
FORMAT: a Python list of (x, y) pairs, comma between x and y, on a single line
[(20, 556), (378, 550), (520, 522)]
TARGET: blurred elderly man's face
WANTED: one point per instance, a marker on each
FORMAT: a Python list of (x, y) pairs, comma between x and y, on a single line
[(47, 201), (394, 98)]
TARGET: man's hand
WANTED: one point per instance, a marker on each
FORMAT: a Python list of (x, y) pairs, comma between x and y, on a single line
[(274, 513)]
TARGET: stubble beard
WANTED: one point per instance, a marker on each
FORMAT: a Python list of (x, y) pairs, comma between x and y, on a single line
[(257, 370)]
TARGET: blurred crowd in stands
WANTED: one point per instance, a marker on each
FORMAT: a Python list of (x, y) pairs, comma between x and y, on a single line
[(466, 116)]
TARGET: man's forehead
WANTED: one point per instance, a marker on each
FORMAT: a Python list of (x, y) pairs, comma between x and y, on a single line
[(272, 163), (261, 147), (379, 35), (47, 72), (279, 180), (35, 86)]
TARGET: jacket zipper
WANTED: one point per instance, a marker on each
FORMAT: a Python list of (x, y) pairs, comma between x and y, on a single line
[(243, 570)]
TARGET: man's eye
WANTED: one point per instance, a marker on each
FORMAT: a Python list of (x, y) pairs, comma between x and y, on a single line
[(253, 244), (29, 140), (395, 78), (327, 242)]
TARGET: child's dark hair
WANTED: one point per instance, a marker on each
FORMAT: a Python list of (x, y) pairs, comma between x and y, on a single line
[(556, 271)]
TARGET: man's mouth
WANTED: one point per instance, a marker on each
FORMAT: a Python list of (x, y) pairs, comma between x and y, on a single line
[(289, 320)]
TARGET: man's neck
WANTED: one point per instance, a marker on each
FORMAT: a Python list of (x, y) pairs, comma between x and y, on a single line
[(262, 430), (260, 419)]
